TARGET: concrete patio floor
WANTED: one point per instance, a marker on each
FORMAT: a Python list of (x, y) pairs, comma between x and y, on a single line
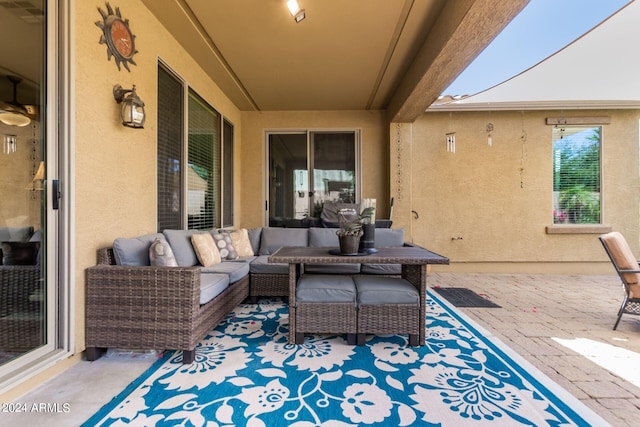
[(537, 312)]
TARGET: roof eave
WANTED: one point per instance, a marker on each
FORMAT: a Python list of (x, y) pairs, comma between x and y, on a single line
[(536, 105)]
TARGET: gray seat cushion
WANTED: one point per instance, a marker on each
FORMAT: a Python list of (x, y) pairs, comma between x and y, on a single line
[(325, 288), (134, 251), (374, 290), (261, 265), (245, 259), (273, 238), (212, 285), (235, 270)]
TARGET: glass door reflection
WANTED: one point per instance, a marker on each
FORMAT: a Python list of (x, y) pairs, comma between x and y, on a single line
[(23, 294), (296, 196)]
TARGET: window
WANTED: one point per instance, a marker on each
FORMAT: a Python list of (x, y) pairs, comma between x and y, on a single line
[(169, 155), (576, 174), (203, 173), (227, 172), (190, 187)]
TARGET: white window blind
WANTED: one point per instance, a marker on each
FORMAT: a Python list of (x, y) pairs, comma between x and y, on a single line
[(203, 170), (169, 151)]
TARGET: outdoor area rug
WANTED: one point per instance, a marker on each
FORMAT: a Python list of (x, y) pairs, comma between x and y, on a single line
[(246, 374), (463, 297)]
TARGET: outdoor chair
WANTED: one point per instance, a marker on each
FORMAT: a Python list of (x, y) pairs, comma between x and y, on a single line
[(627, 267)]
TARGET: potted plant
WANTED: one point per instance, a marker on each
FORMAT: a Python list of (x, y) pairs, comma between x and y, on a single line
[(351, 229)]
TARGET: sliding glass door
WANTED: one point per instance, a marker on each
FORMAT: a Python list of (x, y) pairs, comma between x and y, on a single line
[(28, 301), (307, 169)]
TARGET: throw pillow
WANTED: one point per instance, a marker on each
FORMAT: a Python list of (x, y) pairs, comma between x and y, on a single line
[(161, 254), (225, 245), (241, 242), (205, 248), (20, 253)]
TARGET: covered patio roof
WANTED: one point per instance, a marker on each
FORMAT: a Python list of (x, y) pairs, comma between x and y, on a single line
[(394, 55)]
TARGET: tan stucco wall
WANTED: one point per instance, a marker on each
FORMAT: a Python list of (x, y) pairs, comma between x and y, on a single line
[(375, 165), (115, 166), (487, 208)]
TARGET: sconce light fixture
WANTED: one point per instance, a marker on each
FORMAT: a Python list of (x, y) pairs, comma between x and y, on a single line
[(297, 13), (132, 112)]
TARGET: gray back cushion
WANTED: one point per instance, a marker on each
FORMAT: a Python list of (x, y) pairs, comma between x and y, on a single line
[(323, 237), (180, 241), (389, 237), (254, 238), (134, 251), (273, 238)]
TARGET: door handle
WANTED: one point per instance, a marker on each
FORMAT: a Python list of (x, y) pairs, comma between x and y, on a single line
[(55, 190)]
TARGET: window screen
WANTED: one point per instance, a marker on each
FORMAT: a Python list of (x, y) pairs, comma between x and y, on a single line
[(576, 174)]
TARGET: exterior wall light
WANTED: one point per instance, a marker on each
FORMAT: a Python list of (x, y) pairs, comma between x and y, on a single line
[(132, 112), (297, 13)]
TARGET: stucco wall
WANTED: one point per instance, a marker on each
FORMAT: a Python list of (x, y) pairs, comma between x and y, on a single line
[(487, 207), (115, 166), (375, 164)]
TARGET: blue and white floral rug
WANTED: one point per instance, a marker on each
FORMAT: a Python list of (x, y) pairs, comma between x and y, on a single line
[(246, 374)]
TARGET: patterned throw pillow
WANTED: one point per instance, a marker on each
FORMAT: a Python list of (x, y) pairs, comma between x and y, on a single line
[(241, 242), (225, 245), (205, 248), (161, 254)]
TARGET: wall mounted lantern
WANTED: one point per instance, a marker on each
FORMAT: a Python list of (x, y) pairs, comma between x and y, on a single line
[(297, 13), (132, 112)]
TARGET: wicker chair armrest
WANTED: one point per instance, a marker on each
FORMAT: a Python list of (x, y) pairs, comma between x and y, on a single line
[(148, 284)]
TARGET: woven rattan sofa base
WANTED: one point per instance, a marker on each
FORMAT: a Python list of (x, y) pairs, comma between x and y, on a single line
[(269, 285), (387, 319), (151, 308), (324, 318)]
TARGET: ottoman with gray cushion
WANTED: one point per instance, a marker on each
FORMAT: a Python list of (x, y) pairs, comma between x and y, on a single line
[(387, 305), (324, 304)]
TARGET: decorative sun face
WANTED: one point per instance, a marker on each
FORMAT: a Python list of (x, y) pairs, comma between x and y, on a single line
[(118, 37)]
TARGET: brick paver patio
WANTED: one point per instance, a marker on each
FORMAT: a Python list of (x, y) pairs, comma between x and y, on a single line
[(537, 308)]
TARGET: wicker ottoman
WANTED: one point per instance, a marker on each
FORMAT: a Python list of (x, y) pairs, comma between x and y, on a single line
[(325, 304), (387, 305)]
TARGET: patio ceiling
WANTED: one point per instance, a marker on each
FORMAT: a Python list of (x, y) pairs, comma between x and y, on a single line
[(394, 55)]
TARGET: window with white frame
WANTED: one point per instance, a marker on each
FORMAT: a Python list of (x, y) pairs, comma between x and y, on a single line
[(576, 174)]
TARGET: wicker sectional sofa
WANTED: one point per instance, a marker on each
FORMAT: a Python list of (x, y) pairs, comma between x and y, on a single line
[(135, 305)]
